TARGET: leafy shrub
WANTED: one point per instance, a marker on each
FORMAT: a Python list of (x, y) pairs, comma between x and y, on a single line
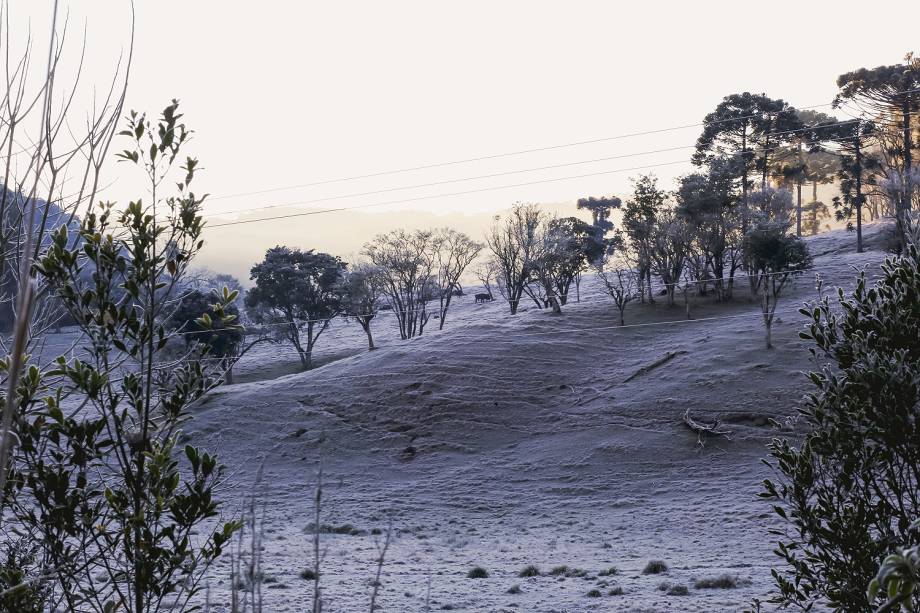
[(119, 520), (18, 566), (186, 319), (850, 491), (896, 579)]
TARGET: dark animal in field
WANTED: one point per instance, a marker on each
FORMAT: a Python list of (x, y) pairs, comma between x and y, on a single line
[(481, 298)]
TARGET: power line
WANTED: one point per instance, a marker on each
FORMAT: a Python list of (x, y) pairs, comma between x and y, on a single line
[(512, 172), (446, 182), (513, 153), (445, 195)]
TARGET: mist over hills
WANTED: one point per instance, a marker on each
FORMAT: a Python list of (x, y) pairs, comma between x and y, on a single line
[(234, 249)]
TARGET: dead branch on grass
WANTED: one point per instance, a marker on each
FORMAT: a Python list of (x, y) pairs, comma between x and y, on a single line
[(704, 430), (650, 367)]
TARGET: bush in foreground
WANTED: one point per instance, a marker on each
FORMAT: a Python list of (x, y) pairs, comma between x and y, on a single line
[(850, 491)]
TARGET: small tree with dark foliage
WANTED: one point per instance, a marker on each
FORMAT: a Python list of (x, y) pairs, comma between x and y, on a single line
[(774, 258), (221, 343), (297, 290)]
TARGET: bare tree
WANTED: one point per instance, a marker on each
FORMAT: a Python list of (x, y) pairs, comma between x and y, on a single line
[(33, 200), (53, 153), (362, 291), (454, 251), (545, 269), (619, 281), (406, 262), (486, 272), (565, 247), (515, 244), (669, 248)]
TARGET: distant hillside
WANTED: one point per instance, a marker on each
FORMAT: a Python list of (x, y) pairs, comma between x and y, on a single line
[(48, 215), (51, 215)]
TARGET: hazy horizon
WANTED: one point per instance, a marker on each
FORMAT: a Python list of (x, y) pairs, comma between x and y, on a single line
[(309, 92)]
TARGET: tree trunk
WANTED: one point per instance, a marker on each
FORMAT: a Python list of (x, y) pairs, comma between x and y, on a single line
[(648, 277), (640, 283), (311, 340), (295, 340), (859, 239), (767, 315), (422, 320), (766, 161), (798, 198), (908, 157), (444, 312), (744, 176), (370, 337)]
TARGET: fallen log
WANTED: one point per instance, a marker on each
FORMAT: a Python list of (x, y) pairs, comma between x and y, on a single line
[(659, 362)]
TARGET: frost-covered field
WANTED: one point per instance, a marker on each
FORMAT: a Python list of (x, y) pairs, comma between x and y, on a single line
[(503, 442)]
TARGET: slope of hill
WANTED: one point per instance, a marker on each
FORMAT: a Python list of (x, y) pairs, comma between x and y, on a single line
[(543, 440)]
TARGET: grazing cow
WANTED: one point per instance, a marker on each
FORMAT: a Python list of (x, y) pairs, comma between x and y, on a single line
[(482, 298)]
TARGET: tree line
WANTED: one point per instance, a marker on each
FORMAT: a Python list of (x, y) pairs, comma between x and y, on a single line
[(742, 212)]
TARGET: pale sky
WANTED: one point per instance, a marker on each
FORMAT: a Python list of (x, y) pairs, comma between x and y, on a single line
[(285, 93)]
